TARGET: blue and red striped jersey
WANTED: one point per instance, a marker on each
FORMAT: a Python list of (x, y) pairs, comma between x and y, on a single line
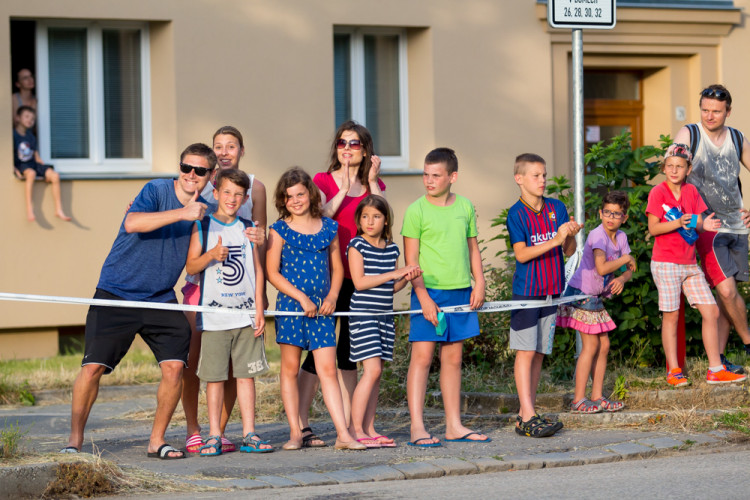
[(544, 275)]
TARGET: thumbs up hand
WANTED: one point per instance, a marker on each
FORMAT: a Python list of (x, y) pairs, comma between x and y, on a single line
[(219, 252), (194, 210)]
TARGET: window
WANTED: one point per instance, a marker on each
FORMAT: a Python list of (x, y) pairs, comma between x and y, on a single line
[(370, 87), (92, 87)]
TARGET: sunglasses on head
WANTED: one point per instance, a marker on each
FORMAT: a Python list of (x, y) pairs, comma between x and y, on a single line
[(185, 168), (715, 94), (354, 144)]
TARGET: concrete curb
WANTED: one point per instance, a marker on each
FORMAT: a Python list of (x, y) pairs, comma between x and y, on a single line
[(32, 480), (26, 480)]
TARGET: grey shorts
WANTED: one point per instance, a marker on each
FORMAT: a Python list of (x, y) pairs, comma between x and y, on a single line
[(532, 329), (723, 255), (247, 352)]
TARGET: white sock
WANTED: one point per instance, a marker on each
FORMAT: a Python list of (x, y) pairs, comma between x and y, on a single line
[(715, 369)]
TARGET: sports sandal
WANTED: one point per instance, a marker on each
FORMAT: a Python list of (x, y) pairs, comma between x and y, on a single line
[(585, 405), (534, 427), (609, 405), (307, 440), (212, 443), (250, 445), (556, 423)]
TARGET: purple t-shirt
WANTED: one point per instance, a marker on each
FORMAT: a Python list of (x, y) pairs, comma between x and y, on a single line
[(586, 278)]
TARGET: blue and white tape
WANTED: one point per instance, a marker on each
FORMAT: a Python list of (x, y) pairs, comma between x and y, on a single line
[(498, 306)]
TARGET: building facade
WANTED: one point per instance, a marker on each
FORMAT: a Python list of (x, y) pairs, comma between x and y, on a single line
[(123, 87)]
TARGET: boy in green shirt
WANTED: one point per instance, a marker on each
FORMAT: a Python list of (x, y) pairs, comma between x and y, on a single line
[(440, 236)]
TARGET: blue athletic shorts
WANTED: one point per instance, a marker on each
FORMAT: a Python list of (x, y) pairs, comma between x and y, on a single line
[(460, 326)]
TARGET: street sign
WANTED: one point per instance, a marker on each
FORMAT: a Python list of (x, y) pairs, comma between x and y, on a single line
[(581, 14)]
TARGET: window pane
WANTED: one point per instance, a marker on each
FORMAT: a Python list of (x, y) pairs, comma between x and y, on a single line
[(68, 93), (342, 78), (122, 93), (382, 93)]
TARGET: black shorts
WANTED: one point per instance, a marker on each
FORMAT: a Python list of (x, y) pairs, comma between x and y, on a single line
[(39, 168), (111, 330)]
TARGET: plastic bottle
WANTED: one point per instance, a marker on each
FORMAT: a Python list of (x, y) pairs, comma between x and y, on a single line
[(689, 235)]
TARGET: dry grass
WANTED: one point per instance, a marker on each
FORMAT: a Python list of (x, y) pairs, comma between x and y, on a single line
[(59, 372), (688, 419), (89, 475)]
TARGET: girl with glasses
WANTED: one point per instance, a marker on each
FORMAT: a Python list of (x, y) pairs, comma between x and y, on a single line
[(606, 251)]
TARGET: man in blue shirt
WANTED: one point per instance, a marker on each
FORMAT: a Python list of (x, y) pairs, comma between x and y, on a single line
[(144, 264)]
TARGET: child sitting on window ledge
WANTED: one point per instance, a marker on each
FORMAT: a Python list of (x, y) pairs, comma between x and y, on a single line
[(28, 165)]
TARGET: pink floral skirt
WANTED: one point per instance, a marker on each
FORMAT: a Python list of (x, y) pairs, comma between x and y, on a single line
[(587, 315)]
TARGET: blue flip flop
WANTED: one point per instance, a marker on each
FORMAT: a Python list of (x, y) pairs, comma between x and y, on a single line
[(417, 443), (465, 439)]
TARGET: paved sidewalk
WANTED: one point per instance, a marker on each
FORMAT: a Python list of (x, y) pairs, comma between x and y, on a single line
[(122, 438)]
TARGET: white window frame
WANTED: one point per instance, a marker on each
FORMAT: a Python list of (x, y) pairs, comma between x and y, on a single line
[(357, 90), (96, 163)]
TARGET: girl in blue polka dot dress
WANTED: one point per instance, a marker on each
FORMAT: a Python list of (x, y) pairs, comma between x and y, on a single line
[(304, 264)]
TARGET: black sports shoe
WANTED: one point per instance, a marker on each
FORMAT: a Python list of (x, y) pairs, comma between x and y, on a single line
[(738, 369)]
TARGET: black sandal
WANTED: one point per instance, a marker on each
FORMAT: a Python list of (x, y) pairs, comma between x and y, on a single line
[(535, 427), (309, 438)]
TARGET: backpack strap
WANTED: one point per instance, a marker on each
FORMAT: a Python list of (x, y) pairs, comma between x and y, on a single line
[(738, 140), (695, 137), (204, 223)]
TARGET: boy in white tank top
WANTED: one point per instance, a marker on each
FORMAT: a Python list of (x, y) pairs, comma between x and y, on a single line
[(229, 267)]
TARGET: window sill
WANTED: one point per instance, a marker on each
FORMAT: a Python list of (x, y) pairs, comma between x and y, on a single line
[(117, 176), (399, 173)]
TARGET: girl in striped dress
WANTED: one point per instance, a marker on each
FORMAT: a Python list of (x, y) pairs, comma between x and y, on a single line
[(373, 257)]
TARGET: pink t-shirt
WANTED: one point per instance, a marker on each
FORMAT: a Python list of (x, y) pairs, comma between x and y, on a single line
[(586, 277), (345, 214), (671, 247)]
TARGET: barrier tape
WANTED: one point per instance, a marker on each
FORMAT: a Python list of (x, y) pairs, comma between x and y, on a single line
[(498, 306)]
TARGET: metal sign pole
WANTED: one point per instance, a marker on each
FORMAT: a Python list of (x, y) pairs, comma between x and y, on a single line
[(578, 144), (577, 15)]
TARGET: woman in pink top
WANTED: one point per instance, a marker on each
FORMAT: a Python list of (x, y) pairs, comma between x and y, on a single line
[(353, 173)]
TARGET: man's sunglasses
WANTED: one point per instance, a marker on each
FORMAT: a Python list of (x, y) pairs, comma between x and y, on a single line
[(715, 94), (199, 171), (354, 144)]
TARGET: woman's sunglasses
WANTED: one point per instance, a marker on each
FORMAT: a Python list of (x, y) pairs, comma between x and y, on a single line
[(354, 144), (199, 171)]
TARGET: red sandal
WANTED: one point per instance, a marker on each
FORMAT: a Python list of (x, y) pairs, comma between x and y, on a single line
[(610, 406), (585, 405)]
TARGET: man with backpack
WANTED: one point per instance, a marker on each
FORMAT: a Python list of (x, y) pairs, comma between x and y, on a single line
[(718, 151)]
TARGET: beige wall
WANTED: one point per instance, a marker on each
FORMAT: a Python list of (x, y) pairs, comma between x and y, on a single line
[(487, 78)]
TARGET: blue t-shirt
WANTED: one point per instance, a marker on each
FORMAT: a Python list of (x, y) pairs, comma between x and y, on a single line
[(544, 275), (24, 147), (146, 266)]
